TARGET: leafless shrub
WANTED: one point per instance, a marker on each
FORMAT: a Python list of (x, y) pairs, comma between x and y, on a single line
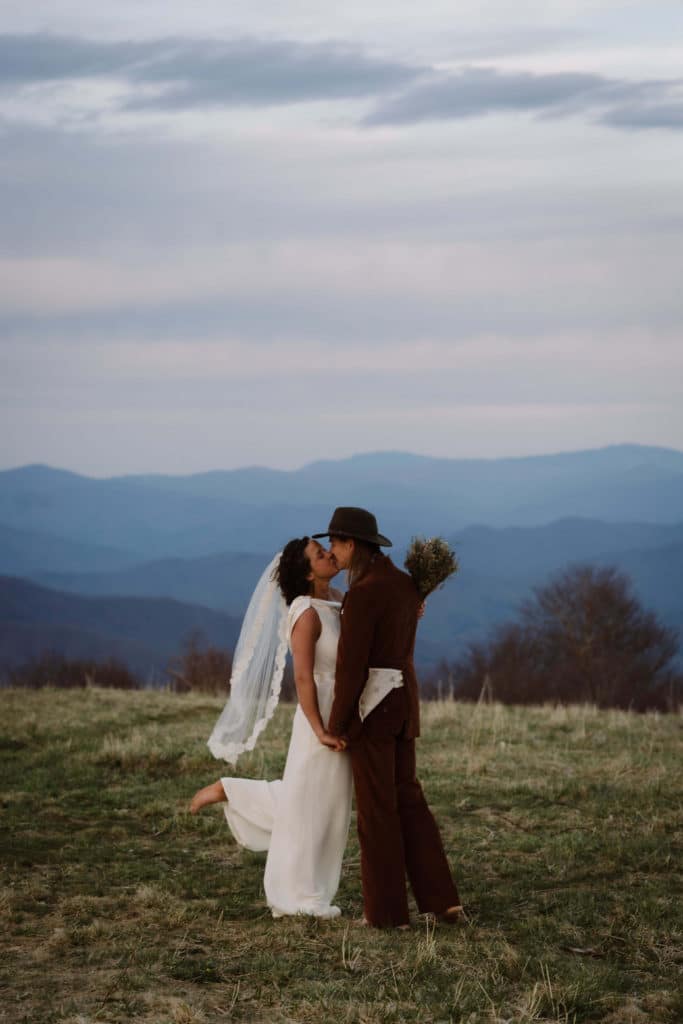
[(583, 638), (199, 668), (53, 669)]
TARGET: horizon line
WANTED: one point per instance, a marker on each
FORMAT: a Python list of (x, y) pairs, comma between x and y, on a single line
[(374, 453)]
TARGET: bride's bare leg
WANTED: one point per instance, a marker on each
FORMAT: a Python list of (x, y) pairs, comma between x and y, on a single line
[(212, 794)]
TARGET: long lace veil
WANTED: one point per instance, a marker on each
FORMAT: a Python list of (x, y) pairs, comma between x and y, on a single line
[(258, 668)]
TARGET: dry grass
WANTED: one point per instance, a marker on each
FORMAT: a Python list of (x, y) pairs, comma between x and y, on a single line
[(563, 827)]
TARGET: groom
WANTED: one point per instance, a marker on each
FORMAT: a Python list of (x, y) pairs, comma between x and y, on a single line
[(396, 829)]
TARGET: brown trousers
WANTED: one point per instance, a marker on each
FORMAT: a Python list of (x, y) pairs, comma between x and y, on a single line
[(397, 834)]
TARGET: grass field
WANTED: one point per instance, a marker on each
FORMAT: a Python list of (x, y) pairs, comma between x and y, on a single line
[(563, 827)]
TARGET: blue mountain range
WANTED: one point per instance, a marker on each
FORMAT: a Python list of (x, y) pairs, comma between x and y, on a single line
[(202, 540)]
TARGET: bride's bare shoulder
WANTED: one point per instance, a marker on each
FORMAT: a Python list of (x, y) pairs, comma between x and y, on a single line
[(304, 621)]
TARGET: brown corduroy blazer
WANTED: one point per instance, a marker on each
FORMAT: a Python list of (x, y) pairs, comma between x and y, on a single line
[(378, 626)]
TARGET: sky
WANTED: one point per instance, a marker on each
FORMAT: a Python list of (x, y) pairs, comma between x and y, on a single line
[(238, 234)]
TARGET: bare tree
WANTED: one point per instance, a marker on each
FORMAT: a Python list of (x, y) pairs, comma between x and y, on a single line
[(204, 669), (584, 637)]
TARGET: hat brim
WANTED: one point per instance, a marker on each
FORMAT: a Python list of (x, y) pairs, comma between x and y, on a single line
[(377, 538)]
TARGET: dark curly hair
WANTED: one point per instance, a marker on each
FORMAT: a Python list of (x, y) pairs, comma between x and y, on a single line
[(291, 574)]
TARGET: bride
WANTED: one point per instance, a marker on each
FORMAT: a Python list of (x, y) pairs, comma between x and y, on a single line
[(302, 820)]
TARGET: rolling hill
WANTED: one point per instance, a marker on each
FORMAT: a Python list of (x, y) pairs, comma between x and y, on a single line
[(499, 567), (256, 510), (24, 552), (144, 632), (202, 540)]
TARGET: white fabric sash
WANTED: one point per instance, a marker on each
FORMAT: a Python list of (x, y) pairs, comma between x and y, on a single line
[(381, 681)]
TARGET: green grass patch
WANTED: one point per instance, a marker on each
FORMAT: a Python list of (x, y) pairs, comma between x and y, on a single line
[(563, 827)]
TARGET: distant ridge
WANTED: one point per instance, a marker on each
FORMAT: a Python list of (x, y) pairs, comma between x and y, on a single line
[(499, 568), (390, 457), (24, 552), (224, 581), (204, 538), (144, 632), (257, 510), (628, 450)]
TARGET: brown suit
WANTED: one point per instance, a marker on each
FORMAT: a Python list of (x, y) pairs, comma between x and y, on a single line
[(396, 829)]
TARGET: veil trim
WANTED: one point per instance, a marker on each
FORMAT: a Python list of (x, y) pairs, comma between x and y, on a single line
[(269, 626)]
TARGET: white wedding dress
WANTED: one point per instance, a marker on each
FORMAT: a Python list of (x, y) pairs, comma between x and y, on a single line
[(302, 820)]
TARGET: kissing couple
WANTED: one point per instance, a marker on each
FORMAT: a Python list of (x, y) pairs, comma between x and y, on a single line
[(357, 719)]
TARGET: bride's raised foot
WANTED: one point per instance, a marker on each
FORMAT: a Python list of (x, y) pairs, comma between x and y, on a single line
[(213, 794)]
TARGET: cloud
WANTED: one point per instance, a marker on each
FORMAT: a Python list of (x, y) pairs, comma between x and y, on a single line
[(197, 73), (251, 72), (40, 57), (638, 117), (476, 91), (192, 74)]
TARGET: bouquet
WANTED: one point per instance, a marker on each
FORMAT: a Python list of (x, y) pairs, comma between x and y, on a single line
[(430, 562)]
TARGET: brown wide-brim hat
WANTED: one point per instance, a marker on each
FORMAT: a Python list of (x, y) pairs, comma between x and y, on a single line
[(357, 523)]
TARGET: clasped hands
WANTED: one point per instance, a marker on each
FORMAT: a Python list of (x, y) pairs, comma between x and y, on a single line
[(337, 743)]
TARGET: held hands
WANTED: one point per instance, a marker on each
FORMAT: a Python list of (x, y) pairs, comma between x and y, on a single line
[(333, 742)]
